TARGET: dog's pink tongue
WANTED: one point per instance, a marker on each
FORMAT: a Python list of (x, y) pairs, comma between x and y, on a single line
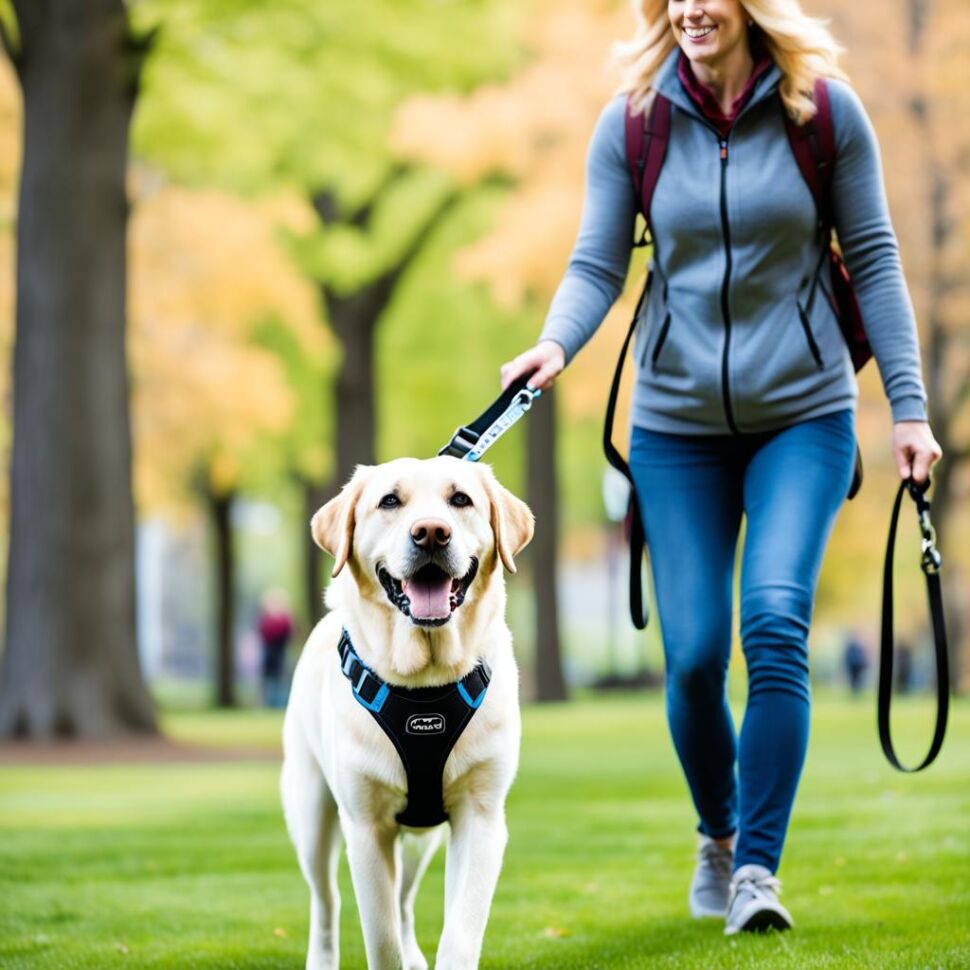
[(430, 598)]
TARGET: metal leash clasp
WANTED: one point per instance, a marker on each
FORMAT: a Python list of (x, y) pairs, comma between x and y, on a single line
[(517, 407), (931, 561)]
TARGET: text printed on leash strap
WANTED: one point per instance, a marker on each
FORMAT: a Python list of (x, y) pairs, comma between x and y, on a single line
[(521, 404)]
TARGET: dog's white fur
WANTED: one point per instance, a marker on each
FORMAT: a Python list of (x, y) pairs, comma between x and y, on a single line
[(341, 774)]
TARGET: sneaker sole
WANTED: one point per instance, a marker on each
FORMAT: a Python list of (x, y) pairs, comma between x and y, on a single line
[(761, 922)]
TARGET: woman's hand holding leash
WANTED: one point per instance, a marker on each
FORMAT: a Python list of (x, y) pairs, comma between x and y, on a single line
[(546, 358), (915, 449)]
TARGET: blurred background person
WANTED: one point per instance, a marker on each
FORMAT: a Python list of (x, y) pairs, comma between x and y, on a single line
[(275, 626), (855, 659)]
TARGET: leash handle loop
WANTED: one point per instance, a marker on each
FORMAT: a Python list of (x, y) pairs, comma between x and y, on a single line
[(931, 565)]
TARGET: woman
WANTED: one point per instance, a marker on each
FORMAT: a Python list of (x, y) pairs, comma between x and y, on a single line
[(745, 395)]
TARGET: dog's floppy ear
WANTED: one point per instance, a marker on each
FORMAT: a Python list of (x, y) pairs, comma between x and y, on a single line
[(512, 520), (332, 526)]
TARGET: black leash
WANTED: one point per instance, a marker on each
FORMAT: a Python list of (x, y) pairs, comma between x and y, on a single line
[(639, 612), (931, 564), (471, 441)]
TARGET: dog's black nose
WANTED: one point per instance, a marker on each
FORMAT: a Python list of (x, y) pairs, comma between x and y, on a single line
[(431, 534)]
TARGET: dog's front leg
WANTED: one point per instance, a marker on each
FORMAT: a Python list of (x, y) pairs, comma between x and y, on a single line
[(478, 839), (373, 870)]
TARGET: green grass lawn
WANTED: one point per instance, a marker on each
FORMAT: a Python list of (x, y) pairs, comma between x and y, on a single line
[(188, 865)]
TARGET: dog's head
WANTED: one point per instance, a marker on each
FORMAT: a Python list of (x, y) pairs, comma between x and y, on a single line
[(423, 540)]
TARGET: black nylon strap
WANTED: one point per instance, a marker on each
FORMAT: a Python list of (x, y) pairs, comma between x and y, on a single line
[(931, 564), (422, 723), (467, 436), (638, 612)]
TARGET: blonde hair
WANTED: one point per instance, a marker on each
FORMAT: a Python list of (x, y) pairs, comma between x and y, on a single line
[(801, 46)]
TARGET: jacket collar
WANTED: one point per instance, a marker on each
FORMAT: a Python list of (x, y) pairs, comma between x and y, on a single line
[(670, 86)]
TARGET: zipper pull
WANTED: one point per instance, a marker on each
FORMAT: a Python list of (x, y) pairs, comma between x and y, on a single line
[(723, 151)]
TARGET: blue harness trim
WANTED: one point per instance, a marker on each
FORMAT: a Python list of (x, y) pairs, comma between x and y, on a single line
[(423, 723)]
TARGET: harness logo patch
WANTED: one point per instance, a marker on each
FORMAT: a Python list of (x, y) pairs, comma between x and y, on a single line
[(425, 724)]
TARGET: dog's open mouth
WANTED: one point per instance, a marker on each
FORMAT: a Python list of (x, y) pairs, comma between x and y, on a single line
[(430, 595)]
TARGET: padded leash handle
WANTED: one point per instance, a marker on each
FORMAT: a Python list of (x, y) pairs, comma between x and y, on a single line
[(931, 564), (471, 441)]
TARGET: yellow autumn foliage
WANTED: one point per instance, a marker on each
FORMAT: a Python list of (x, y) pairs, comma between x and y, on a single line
[(205, 268)]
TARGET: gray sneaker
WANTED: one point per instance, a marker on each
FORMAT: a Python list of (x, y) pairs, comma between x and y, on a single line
[(753, 905), (712, 880)]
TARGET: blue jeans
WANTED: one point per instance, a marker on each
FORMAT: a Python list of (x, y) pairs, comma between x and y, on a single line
[(692, 490)]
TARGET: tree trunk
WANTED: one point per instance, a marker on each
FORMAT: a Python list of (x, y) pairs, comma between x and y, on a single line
[(354, 321), (543, 499), (70, 667), (220, 509)]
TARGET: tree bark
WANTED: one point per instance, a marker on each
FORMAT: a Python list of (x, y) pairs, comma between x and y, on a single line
[(70, 667), (543, 499), (354, 321), (220, 510)]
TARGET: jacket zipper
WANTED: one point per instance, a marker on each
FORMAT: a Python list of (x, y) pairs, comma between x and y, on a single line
[(725, 310)]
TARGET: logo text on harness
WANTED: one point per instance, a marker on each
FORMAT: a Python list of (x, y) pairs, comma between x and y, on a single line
[(425, 724)]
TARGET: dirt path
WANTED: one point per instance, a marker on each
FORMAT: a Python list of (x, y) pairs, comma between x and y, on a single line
[(152, 750)]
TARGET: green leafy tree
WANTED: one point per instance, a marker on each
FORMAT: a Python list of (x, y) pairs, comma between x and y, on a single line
[(249, 95)]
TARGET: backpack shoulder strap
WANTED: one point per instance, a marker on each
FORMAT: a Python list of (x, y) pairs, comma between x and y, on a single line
[(813, 145), (646, 145)]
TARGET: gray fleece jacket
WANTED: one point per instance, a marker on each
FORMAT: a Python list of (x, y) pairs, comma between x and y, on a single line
[(728, 340)]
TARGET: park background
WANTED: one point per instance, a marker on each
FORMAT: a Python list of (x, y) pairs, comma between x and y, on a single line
[(268, 241)]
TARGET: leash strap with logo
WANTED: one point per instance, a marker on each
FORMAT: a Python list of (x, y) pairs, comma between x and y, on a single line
[(931, 563), (471, 441), (423, 723)]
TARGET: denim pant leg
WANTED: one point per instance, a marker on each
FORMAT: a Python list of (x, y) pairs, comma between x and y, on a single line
[(690, 489), (794, 484)]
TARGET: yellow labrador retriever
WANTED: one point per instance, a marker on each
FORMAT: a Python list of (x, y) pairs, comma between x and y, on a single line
[(417, 611)]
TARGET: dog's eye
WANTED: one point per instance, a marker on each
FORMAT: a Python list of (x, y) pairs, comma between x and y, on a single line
[(389, 501), (461, 500)]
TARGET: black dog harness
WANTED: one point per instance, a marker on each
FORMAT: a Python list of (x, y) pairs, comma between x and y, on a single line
[(423, 724)]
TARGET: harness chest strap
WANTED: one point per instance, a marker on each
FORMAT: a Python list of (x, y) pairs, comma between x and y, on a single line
[(423, 724)]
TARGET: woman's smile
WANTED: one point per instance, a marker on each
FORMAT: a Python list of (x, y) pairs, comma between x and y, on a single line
[(698, 34)]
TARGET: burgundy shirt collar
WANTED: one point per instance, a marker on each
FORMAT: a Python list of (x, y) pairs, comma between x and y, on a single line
[(704, 98)]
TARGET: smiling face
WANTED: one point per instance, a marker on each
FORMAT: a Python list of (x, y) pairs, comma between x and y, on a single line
[(417, 534), (709, 32), (424, 536)]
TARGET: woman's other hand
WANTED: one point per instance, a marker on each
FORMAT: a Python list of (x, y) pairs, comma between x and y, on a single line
[(915, 449), (547, 356)]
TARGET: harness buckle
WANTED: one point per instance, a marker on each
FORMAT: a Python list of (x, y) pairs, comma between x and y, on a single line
[(365, 677)]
